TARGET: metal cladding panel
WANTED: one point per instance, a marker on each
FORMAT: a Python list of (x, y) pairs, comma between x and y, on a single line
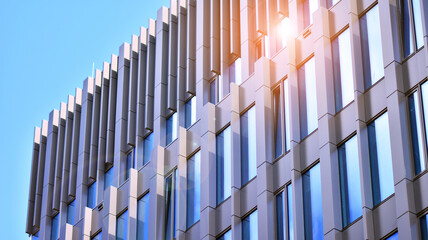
[(150, 79), (111, 124), (33, 180), (261, 17), (75, 144), (133, 87), (59, 158), (122, 97), (104, 109), (215, 36), (191, 48), (172, 58), (40, 175), (68, 143), (181, 51), (95, 127), (141, 86), (282, 6), (235, 29)]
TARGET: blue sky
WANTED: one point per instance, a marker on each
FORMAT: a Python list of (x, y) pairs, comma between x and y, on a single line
[(48, 48)]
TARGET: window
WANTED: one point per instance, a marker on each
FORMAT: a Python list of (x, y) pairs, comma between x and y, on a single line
[(418, 122), (108, 178), (148, 148), (284, 214), (393, 236), (217, 91), (331, 3), (54, 227), (224, 165), (342, 70), (143, 218), (193, 189), (411, 25), (350, 189), (70, 213), (283, 32), (171, 205), (35, 236), (171, 128), (372, 47), (190, 108), (312, 207), (130, 163), (249, 227), (226, 236), (248, 146), (424, 227), (235, 72), (122, 226), (98, 236), (308, 98), (92, 190), (309, 7), (281, 110), (380, 159)]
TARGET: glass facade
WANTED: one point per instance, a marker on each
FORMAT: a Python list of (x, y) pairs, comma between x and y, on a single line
[(248, 146), (70, 213), (418, 122), (309, 7), (277, 121), (312, 206), (148, 148), (342, 70), (122, 226), (193, 189), (108, 178), (350, 188), (55, 227), (92, 191), (171, 128), (411, 25), (235, 72), (224, 165), (424, 227), (226, 236), (171, 205), (281, 114), (372, 47), (307, 98), (284, 214), (190, 109), (249, 227), (143, 218), (130, 163), (380, 159)]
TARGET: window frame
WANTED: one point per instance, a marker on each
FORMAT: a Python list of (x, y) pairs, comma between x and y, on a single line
[(285, 125), (286, 212), (173, 174), (245, 111), (413, 33), (222, 130)]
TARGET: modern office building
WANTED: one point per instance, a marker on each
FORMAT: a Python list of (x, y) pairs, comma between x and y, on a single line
[(246, 119)]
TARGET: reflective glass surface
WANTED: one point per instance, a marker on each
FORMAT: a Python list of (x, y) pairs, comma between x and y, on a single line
[(148, 148), (224, 165), (122, 226), (108, 178), (249, 227), (130, 163), (143, 218), (380, 159), (92, 195), (309, 7), (290, 212), (350, 188), (170, 205), (35, 236), (424, 227), (330, 3), (342, 66), (417, 14), (307, 98), (190, 117), (54, 227), (277, 121), (406, 28), (287, 116), (213, 98), (70, 213), (171, 128), (226, 236), (193, 189), (235, 72), (98, 236), (248, 146), (312, 207), (417, 132), (393, 236), (280, 216)]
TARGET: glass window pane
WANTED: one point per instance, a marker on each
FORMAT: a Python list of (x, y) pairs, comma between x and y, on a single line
[(342, 66), (35, 236), (290, 212), (331, 3), (169, 201), (148, 148), (416, 130), (248, 146), (277, 121), (193, 189), (406, 25), (424, 227), (221, 91), (130, 163), (312, 203), (380, 159), (417, 14), (372, 47), (91, 195), (393, 236), (350, 188), (122, 226), (224, 165), (280, 216), (171, 128), (226, 236), (143, 218), (309, 7), (190, 117), (54, 227), (98, 236), (308, 98), (424, 89), (249, 227), (287, 116), (70, 213), (235, 72), (213, 98), (108, 178)]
